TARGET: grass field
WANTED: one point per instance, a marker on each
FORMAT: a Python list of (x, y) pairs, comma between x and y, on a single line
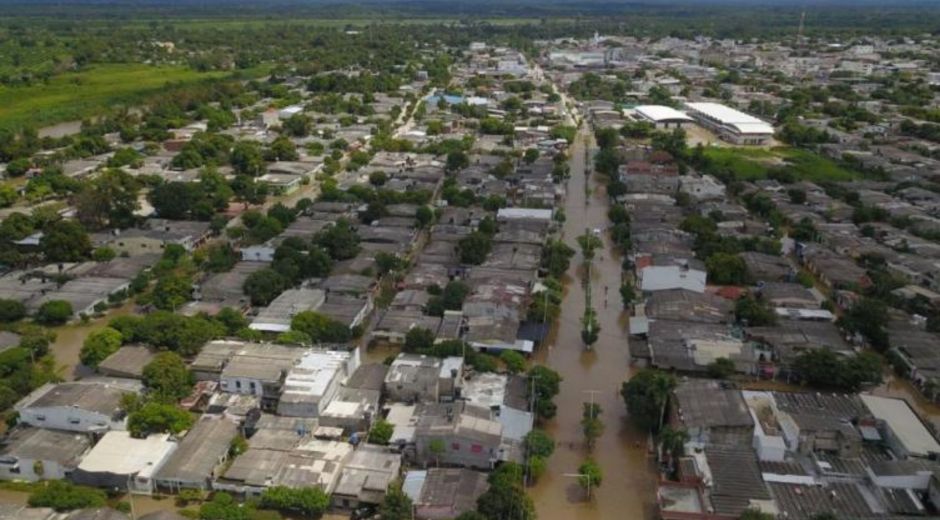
[(755, 163), (77, 95)]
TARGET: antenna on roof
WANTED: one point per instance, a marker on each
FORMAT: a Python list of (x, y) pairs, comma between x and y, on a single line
[(799, 31)]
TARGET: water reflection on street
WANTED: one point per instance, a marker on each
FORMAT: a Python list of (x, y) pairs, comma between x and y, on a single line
[(628, 487)]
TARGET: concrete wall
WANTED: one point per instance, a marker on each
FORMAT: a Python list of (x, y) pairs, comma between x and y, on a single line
[(25, 470), (458, 451), (69, 419)]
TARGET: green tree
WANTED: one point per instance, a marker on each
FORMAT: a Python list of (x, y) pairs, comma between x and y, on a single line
[(589, 244), (455, 292), (424, 215), (627, 294), (264, 285), (297, 125), (867, 317), (514, 361), (388, 262), (646, 396), (220, 258), (531, 155), (155, 417), (726, 269), (293, 337), (721, 368), (591, 476), (396, 505), (110, 199), (54, 312), (419, 339), (174, 200), (591, 425), (98, 345), (11, 310), (546, 385), (823, 368), (539, 443), (8, 195), (320, 328), (755, 312), (18, 167), (756, 514), (381, 432), (172, 291), (797, 196), (167, 377), (506, 496), (556, 257), (65, 496), (65, 241), (311, 502), (456, 160), (673, 443), (247, 159), (224, 507), (282, 149), (450, 299), (339, 240), (474, 248), (437, 448), (103, 254)]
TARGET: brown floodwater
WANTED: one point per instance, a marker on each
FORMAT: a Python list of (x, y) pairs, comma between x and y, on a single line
[(69, 340), (629, 479)]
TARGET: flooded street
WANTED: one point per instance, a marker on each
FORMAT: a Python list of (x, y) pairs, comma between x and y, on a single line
[(628, 486), (69, 340)]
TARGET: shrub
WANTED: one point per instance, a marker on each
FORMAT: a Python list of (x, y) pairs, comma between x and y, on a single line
[(65, 496)]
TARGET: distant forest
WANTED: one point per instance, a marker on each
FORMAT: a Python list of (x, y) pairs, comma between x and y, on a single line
[(720, 18)]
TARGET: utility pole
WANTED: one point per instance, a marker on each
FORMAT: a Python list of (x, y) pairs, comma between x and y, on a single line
[(592, 393), (527, 476), (130, 497), (799, 32), (579, 476)]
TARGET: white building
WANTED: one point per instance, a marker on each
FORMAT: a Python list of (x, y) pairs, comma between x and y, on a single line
[(33, 454), (665, 277), (92, 405), (277, 316), (661, 117), (730, 124), (124, 462), (906, 434), (289, 112), (312, 383), (522, 214)]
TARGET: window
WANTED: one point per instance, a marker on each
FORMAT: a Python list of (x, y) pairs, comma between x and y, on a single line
[(238, 385), (476, 448), (73, 420), (15, 470), (252, 386), (40, 417), (455, 446)]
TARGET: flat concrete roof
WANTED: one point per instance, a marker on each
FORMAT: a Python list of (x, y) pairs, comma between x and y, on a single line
[(905, 424)]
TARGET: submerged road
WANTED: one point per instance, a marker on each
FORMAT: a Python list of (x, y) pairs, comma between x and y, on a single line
[(628, 487)]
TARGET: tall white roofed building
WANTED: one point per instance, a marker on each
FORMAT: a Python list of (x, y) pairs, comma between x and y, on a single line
[(730, 124), (661, 116)]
